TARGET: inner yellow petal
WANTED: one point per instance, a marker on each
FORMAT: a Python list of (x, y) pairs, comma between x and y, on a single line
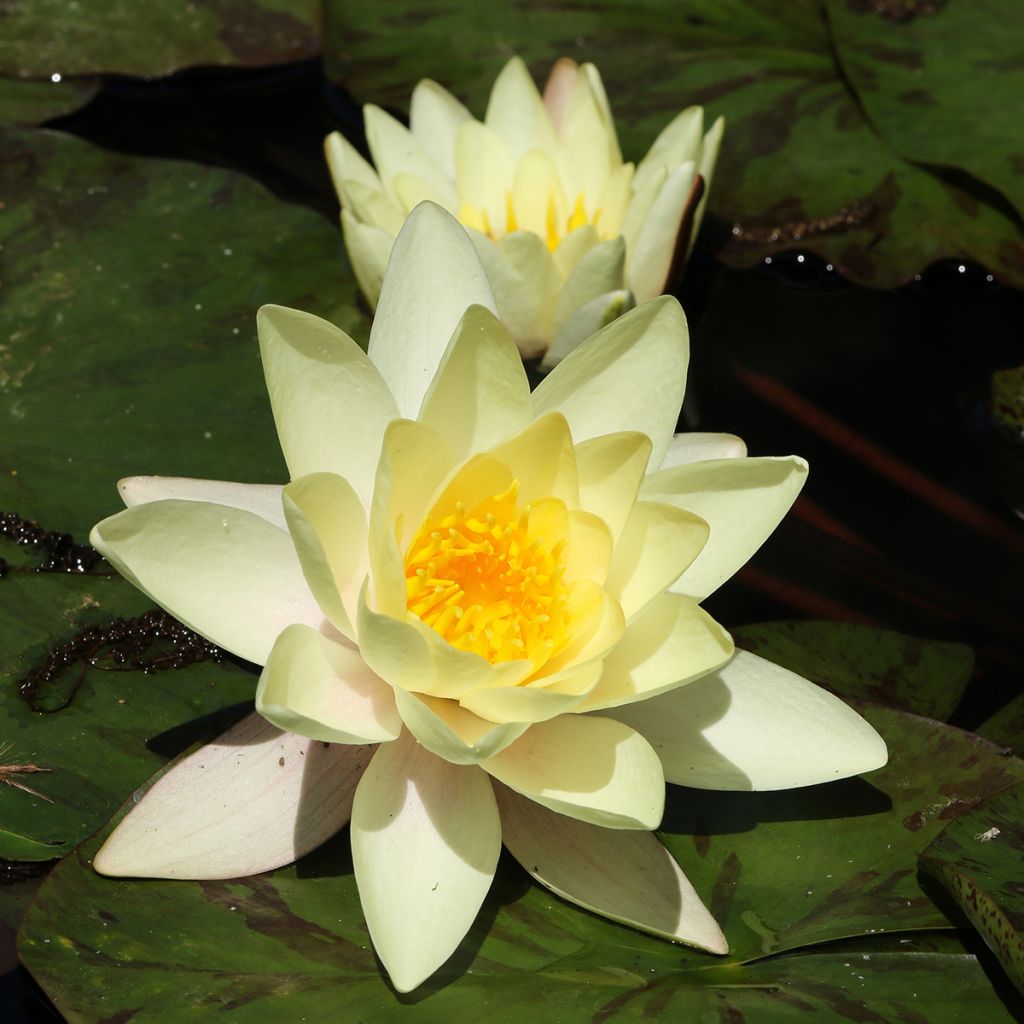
[(555, 229)]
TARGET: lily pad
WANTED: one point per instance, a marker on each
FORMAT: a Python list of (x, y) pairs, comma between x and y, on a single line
[(1006, 726), (782, 872), (43, 37), (26, 103), (925, 677), (801, 164), (978, 859)]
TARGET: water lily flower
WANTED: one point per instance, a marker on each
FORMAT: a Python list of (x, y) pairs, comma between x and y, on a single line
[(570, 235), (477, 612)]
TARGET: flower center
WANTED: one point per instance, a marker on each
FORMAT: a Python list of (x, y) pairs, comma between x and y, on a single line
[(489, 579), (555, 227)]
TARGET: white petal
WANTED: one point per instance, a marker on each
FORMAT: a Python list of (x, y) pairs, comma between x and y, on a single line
[(369, 248), (347, 165), (741, 500), (480, 394), (624, 875), (435, 116), (629, 376), (590, 768), (585, 322), (254, 799), (680, 140), (315, 687), (330, 404), (516, 113), (425, 843), (433, 277), (597, 273), (225, 573), (753, 725), (263, 500), (697, 447)]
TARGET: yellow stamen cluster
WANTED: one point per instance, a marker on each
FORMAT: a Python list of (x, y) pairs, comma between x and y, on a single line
[(479, 219), (485, 581)]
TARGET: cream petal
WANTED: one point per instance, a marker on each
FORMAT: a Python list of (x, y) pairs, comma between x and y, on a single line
[(483, 176), (753, 725), (435, 117), (314, 687), (330, 403), (551, 697), (680, 140), (396, 151), (425, 843), (585, 322), (525, 283), (614, 200), (263, 500), (396, 650), (480, 394), (434, 276), (538, 198), (543, 460), (328, 526), (629, 376), (639, 207), (671, 642), (573, 248), (369, 248), (624, 875), (650, 256), (589, 551), (697, 447), (657, 543), (450, 731), (225, 573), (590, 768), (516, 112), (741, 500), (254, 799), (598, 272), (412, 190), (590, 149), (373, 207), (347, 165), (610, 470), (706, 168)]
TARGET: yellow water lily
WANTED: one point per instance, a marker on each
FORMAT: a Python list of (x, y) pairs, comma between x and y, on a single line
[(477, 613), (570, 235)]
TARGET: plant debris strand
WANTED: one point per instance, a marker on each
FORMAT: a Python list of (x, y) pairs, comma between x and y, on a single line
[(148, 643), (58, 551)]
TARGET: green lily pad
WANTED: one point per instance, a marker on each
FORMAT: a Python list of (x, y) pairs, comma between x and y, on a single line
[(26, 103), (1006, 726), (801, 164), (925, 677), (43, 37), (781, 871), (955, 65), (978, 859)]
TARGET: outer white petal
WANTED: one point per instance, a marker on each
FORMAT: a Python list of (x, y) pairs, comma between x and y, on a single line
[(680, 140), (599, 271), (753, 725), (425, 843), (263, 500), (516, 113), (629, 376), (347, 165), (434, 276), (315, 687), (369, 248), (435, 116), (742, 500), (697, 447), (585, 322), (651, 254), (252, 800), (480, 394), (330, 404), (396, 151), (590, 768), (627, 876), (225, 573)]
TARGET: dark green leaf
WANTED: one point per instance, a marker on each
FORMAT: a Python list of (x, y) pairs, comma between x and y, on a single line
[(978, 859), (925, 677), (800, 165), (34, 102), (1006, 726), (80, 37), (781, 870)]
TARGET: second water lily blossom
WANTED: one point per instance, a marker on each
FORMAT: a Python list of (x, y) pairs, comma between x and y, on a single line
[(569, 234), (477, 612)]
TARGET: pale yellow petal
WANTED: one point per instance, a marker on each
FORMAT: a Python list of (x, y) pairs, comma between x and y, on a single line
[(369, 248), (610, 470), (435, 117), (516, 113), (395, 151)]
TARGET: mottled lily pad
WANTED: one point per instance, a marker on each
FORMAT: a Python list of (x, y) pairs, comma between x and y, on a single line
[(926, 677), (978, 859), (801, 164), (26, 103), (1006, 726), (82, 37), (782, 872)]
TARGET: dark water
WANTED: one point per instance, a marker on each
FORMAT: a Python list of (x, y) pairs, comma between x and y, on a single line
[(906, 522)]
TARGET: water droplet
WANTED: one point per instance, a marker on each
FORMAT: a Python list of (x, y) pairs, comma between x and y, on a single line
[(55, 77)]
